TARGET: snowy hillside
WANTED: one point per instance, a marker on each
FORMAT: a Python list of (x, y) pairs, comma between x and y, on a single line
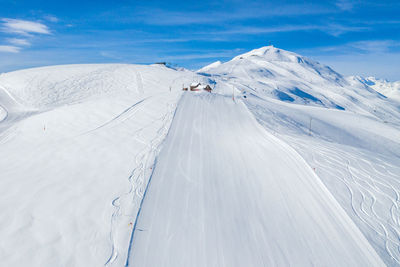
[(354, 148), (386, 88), (275, 73), (242, 199), (76, 146), (286, 162), (209, 67)]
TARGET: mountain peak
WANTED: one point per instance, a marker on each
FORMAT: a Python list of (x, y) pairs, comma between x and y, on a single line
[(271, 53), (210, 66)]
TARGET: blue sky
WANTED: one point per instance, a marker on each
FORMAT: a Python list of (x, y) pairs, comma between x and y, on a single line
[(353, 37)]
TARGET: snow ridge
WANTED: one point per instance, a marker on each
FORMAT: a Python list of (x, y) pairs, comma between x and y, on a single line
[(384, 87)]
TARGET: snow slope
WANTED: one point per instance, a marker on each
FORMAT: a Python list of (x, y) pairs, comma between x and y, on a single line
[(386, 88), (227, 193), (209, 67), (359, 164), (270, 72), (77, 147), (80, 143), (3, 113), (355, 151)]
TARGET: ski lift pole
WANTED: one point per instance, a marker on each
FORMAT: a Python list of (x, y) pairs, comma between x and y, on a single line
[(233, 93)]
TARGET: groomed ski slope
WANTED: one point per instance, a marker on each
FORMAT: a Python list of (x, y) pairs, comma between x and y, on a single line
[(225, 192), (76, 146)]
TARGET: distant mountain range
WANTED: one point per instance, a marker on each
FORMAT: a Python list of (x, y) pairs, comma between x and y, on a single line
[(386, 88)]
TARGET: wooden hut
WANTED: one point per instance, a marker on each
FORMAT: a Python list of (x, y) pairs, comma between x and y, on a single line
[(195, 87), (198, 87)]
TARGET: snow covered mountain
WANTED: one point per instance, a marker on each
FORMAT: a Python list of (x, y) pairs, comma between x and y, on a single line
[(386, 88), (348, 133), (211, 66), (113, 164), (275, 73)]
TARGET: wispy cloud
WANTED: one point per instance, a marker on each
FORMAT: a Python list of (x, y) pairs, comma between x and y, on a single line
[(18, 41), (207, 55), (338, 29), (259, 30), (375, 46), (174, 18), (23, 27), (9, 49), (358, 47), (331, 29), (345, 5), (189, 38), (51, 18)]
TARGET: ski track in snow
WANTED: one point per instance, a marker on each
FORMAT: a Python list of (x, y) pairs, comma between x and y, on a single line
[(10, 113), (124, 115), (374, 193), (139, 82), (143, 185), (139, 179), (210, 211), (3, 113), (371, 180)]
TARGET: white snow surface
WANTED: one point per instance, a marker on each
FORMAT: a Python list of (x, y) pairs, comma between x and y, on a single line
[(301, 168), (212, 203), (209, 67), (75, 159), (386, 88), (3, 113), (354, 150), (271, 72)]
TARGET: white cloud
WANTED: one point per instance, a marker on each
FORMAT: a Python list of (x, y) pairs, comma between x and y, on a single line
[(359, 47), (337, 29), (375, 46), (345, 5), (9, 49), (260, 30), (237, 13), (51, 18), (331, 29), (205, 55), (17, 41), (23, 27)]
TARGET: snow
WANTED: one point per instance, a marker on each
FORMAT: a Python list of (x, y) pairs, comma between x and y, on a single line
[(355, 151), (212, 203), (74, 166), (3, 113), (211, 66), (301, 168), (358, 164), (51, 86), (386, 88), (270, 72)]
